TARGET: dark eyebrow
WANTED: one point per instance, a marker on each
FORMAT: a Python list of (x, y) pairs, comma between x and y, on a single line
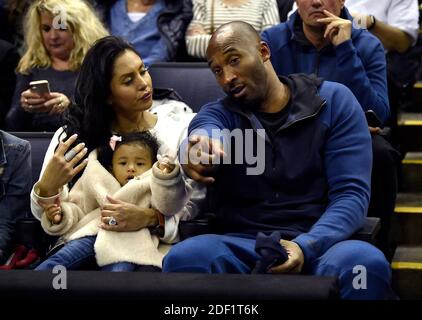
[(225, 51), (142, 67)]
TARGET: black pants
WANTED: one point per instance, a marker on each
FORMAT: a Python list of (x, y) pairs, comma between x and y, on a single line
[(386, 160)]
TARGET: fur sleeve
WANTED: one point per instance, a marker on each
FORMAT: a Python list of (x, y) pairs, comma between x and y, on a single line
[(169, 192)]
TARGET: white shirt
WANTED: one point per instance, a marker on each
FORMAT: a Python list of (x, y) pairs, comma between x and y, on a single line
[(136, 16), (260, 14), (402, 14)]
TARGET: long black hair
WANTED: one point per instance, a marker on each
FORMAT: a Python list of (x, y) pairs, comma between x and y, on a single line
[(145, 139), (90, 116)]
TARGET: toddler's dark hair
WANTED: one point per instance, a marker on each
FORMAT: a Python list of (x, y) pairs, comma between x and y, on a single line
[(145, 139)]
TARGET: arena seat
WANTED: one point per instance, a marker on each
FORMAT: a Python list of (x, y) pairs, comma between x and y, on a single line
[(193, 81)]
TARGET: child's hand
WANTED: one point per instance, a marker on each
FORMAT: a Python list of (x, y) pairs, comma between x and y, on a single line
[(166, 163), (53, 212)]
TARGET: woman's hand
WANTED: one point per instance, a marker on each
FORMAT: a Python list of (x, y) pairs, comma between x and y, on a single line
[(127, 216), (54, 103), (57, 103), (53, 213), (32, 102), (60, 171)]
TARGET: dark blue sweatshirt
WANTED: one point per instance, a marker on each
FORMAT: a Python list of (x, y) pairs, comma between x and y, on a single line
[(315, 187), (358, 63)]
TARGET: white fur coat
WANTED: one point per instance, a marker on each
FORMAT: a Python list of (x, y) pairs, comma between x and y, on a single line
[(168, 193)]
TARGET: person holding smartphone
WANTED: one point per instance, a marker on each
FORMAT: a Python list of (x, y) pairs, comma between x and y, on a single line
[(53, 54)]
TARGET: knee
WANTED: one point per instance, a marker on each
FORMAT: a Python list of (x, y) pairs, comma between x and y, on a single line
[(363, 271), (192, 254), (371, 259), (358, 255)]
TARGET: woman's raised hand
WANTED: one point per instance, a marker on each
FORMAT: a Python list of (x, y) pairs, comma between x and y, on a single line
[(62, 167)]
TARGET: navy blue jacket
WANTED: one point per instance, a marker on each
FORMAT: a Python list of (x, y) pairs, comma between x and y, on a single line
[(358, 63), (15, 186), (315, 187)]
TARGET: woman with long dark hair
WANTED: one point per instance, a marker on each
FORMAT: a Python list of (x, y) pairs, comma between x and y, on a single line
[(113, 96)]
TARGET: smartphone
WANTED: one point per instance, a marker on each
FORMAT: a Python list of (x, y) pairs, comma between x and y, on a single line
[(41, 87), (372, 119)]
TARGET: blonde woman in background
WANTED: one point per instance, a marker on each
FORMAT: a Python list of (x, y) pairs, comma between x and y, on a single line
[(58, 33), (208, 15)]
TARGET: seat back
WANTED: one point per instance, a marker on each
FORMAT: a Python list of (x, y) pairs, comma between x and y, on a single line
[(193, 81), (39, 144)]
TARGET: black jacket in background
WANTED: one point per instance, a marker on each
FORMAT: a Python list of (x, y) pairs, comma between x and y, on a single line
[(172, 23), (9, 59)]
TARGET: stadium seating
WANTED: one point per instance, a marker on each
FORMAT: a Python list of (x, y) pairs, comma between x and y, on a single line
[(197, 86), (193, 81)]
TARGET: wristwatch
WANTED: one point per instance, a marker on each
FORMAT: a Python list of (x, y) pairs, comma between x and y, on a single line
[(373, 22)]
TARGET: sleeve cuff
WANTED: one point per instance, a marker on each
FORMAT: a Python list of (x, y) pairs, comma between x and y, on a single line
[(47, 200), (307, 244)]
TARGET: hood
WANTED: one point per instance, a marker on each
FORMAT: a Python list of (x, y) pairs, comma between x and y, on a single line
[(304, 101)]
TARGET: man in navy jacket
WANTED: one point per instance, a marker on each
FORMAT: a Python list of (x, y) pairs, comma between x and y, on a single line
[(312, 186), (320, 38)]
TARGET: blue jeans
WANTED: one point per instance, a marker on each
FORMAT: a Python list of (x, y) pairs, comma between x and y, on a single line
[(236, 254), (78, 253)]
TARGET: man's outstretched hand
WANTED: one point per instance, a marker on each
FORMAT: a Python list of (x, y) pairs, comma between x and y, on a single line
[(201, 156)]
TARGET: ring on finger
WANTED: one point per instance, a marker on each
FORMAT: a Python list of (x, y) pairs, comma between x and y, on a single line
[(112, 221), (70, 155)]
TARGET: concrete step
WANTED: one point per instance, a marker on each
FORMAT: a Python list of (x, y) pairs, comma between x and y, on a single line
[(409, 119), (407, 272), (407, 221), (417, 94), (410, 131), (411, 179)]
